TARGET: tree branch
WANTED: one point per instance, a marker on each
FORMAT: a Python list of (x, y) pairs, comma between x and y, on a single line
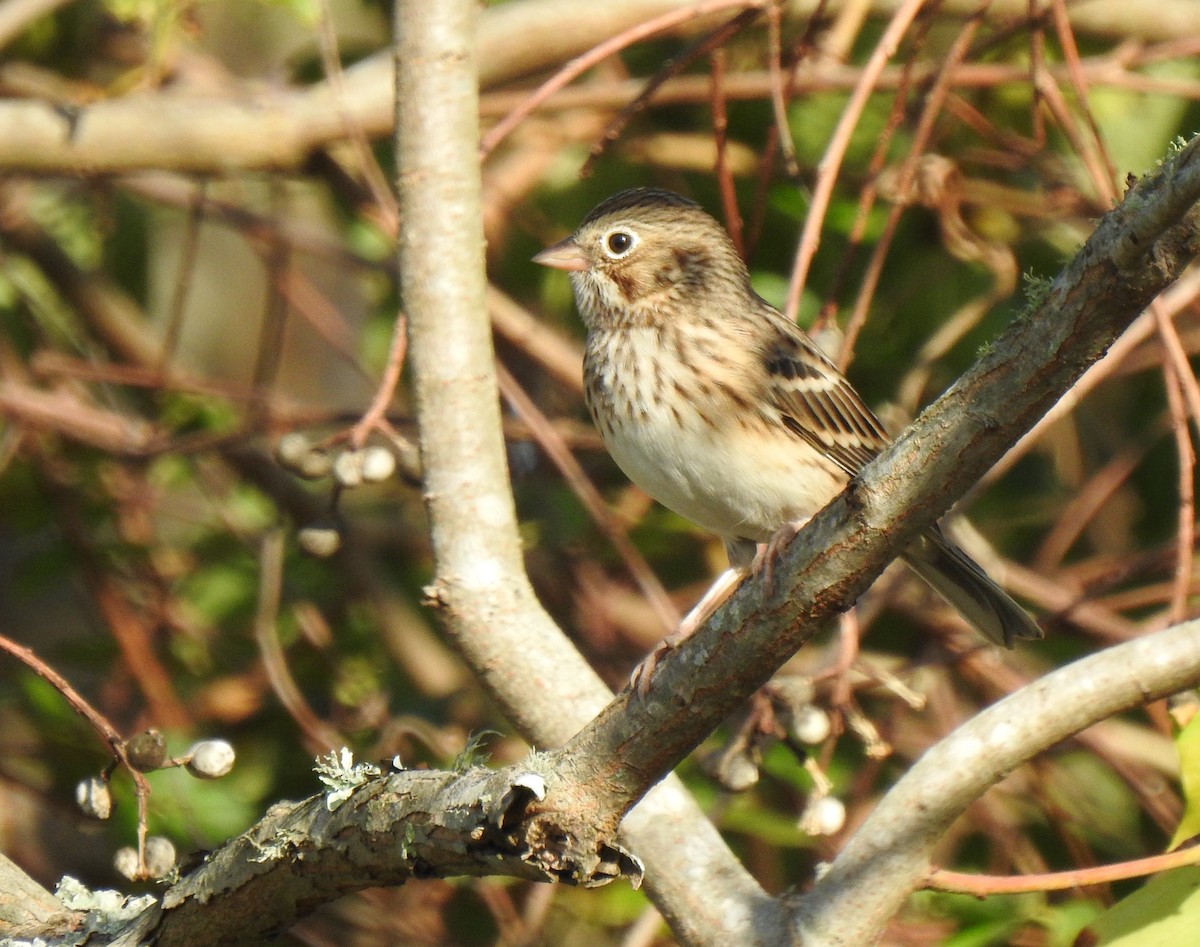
[(170, 131), (485, 599), (418, 823)]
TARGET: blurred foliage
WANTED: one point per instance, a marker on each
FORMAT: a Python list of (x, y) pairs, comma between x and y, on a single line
[(151, 484)]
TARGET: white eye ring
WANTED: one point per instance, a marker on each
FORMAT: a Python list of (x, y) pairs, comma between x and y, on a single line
[(619, 242)]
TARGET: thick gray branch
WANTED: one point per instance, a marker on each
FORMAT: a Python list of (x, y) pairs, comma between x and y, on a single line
[(26, 908), (420, 824)]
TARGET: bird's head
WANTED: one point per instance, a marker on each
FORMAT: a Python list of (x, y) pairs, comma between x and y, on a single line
[(643, 254)]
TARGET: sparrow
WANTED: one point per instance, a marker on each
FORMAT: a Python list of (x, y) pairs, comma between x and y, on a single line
[(722, 409)]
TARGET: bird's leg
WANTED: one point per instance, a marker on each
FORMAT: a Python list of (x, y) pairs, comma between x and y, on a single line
[(745, 558), (767, 555), (720, 590)]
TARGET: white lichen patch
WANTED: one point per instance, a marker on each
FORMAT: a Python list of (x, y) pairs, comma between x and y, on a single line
[(342, 775), (107, 910)]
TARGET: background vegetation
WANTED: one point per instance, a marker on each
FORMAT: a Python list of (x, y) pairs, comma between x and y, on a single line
[(167, 316)]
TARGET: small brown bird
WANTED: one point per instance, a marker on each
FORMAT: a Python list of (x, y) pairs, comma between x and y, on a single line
[(722, 409)]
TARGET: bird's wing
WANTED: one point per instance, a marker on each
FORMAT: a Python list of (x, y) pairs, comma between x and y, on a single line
[(815, 400)]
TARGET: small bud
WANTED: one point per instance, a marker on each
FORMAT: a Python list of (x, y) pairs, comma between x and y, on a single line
[(734, 766), (160, 856), (824, 815), (126, 862), (1183, 707), (348, 468), (738, 773), (319, 541), (378, 464), (792, 690), (314, 465), (810, 724), (210, 759), (94, 798), (147, 751), (291, 449)]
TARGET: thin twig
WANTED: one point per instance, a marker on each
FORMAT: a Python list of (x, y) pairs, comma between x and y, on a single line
[(269, 354), (385, 212), (783, 133), (183, 282), (720, 126), (835, 152), (79, 704), (671, 68), (375, 417), (1173, 300), (581, 64), (983, 885), (1081, 510), (561, 357), (100, 723), (1186, 516), (1070, 49), (322, 737)]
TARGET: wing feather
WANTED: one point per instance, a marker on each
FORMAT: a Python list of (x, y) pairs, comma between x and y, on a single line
[(815, 401)]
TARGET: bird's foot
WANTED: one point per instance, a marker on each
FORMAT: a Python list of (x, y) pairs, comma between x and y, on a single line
[(720, 590), (639, 680), (767, 556)]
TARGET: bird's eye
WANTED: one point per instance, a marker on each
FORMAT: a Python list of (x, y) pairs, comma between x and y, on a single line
[(618, 243)]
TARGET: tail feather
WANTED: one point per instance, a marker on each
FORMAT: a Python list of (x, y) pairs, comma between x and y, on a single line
[(962, 582)]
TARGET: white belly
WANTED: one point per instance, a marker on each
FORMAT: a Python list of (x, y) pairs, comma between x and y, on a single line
[(725, 480), (742, 479)]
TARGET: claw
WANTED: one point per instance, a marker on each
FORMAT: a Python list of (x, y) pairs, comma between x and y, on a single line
[(722, 587), (769, 552), (643, 674)]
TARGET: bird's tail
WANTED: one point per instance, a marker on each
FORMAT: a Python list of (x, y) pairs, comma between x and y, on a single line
[(962, 582)]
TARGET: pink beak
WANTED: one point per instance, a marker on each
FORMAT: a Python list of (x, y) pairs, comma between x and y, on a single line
[(564, 255)]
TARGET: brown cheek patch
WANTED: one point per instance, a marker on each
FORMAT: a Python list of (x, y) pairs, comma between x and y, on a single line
[(694, 265), (672, 270), (625, 284)]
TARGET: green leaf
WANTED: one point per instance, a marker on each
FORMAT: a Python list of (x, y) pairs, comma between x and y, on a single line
[(1188, 745), (1165, 912)]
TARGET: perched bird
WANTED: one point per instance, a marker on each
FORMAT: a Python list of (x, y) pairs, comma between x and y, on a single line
[(719, 407)]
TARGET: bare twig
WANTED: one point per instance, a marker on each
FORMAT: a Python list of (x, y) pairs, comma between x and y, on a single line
[(720, 124), (714, 41), (321, 736), (581, 64), (100, 723), (982, 885), (835, 151)]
